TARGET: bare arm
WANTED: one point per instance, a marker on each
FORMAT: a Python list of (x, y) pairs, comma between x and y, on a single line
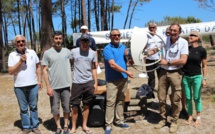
[(204, 71), (39, 75), (116, 67), (181, 61), (46, 78), (94, 71), (14, 69)]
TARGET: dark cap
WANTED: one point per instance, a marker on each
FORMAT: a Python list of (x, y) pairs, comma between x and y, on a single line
[(85, 37)]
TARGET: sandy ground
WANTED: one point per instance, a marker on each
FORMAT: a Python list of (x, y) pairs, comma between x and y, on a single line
[(11, 124)]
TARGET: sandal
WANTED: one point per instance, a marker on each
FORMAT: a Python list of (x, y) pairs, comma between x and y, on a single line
[(65, 130), (197, 122), (88, 131), (58, 131)]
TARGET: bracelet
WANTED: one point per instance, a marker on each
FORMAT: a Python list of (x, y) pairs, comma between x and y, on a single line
[(204, 78)]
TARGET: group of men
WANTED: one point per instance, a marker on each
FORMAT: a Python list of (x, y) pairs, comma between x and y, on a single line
[(24, 64)]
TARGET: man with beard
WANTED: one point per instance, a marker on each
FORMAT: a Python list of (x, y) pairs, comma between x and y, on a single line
[(57, 76)]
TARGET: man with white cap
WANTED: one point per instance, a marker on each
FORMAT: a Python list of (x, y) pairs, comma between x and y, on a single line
[(84, 30)]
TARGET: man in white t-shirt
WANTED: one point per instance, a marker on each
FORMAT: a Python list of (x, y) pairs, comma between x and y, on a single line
[(24, 65), (174, 58), (153, 42)]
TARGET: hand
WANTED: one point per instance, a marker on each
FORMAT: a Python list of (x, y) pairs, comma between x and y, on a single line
[(40, 85), (163, 62), (95, 87), (126, 52), (130, 61), (131, 75), (23, 58), (203, 83), (50, 92)]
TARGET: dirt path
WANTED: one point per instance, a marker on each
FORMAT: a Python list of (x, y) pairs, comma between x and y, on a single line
[(10, 119)]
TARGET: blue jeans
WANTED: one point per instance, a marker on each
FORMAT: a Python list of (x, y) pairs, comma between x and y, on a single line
[(28, 97)]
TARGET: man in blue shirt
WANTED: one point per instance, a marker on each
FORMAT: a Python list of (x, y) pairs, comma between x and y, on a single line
[(116, 76)]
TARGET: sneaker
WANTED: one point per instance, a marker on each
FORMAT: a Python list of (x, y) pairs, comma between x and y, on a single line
[(173, 128), (160, 125), (36, 131), (123, 125), (108, 130), (66, 130), (25, 131)]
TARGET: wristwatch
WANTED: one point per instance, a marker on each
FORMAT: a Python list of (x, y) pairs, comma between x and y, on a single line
[(168, 63), (204, 78)]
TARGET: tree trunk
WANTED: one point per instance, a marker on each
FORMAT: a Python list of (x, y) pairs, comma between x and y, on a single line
[(102, 15), (132, 13), (112, 17), (19, 20), (63, 23), (2, 61), (96, 10), (4, 46), (89, 15), (127, 14), (106, 11), (80, 13), (84, 14), (46, 32)]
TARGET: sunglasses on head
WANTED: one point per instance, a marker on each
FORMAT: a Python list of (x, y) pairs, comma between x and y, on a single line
[(116, 35), (18, 41), (193, 35)]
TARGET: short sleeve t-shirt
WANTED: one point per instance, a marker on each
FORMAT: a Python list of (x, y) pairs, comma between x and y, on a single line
[(26, 75), (193, 65), (117, 54), (82, 65), (58, 67)]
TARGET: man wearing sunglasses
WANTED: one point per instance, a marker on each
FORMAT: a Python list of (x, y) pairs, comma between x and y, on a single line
[(57, 76), (24, 64), (84, 81), (171, 75), (116, 76), (153, 41)]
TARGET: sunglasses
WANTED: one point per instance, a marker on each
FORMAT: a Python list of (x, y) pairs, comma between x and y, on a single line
[(18, 41), (152, 27), (193, 35), (116, 35)]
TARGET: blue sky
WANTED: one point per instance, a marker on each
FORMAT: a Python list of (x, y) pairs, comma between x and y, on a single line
[(154, 10), (158, 9)]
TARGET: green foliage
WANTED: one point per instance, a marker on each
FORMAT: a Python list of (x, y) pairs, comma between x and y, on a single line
[(206, 38), (169, 20)]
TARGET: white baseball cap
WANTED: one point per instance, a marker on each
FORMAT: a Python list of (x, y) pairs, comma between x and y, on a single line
[(84, 27)]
